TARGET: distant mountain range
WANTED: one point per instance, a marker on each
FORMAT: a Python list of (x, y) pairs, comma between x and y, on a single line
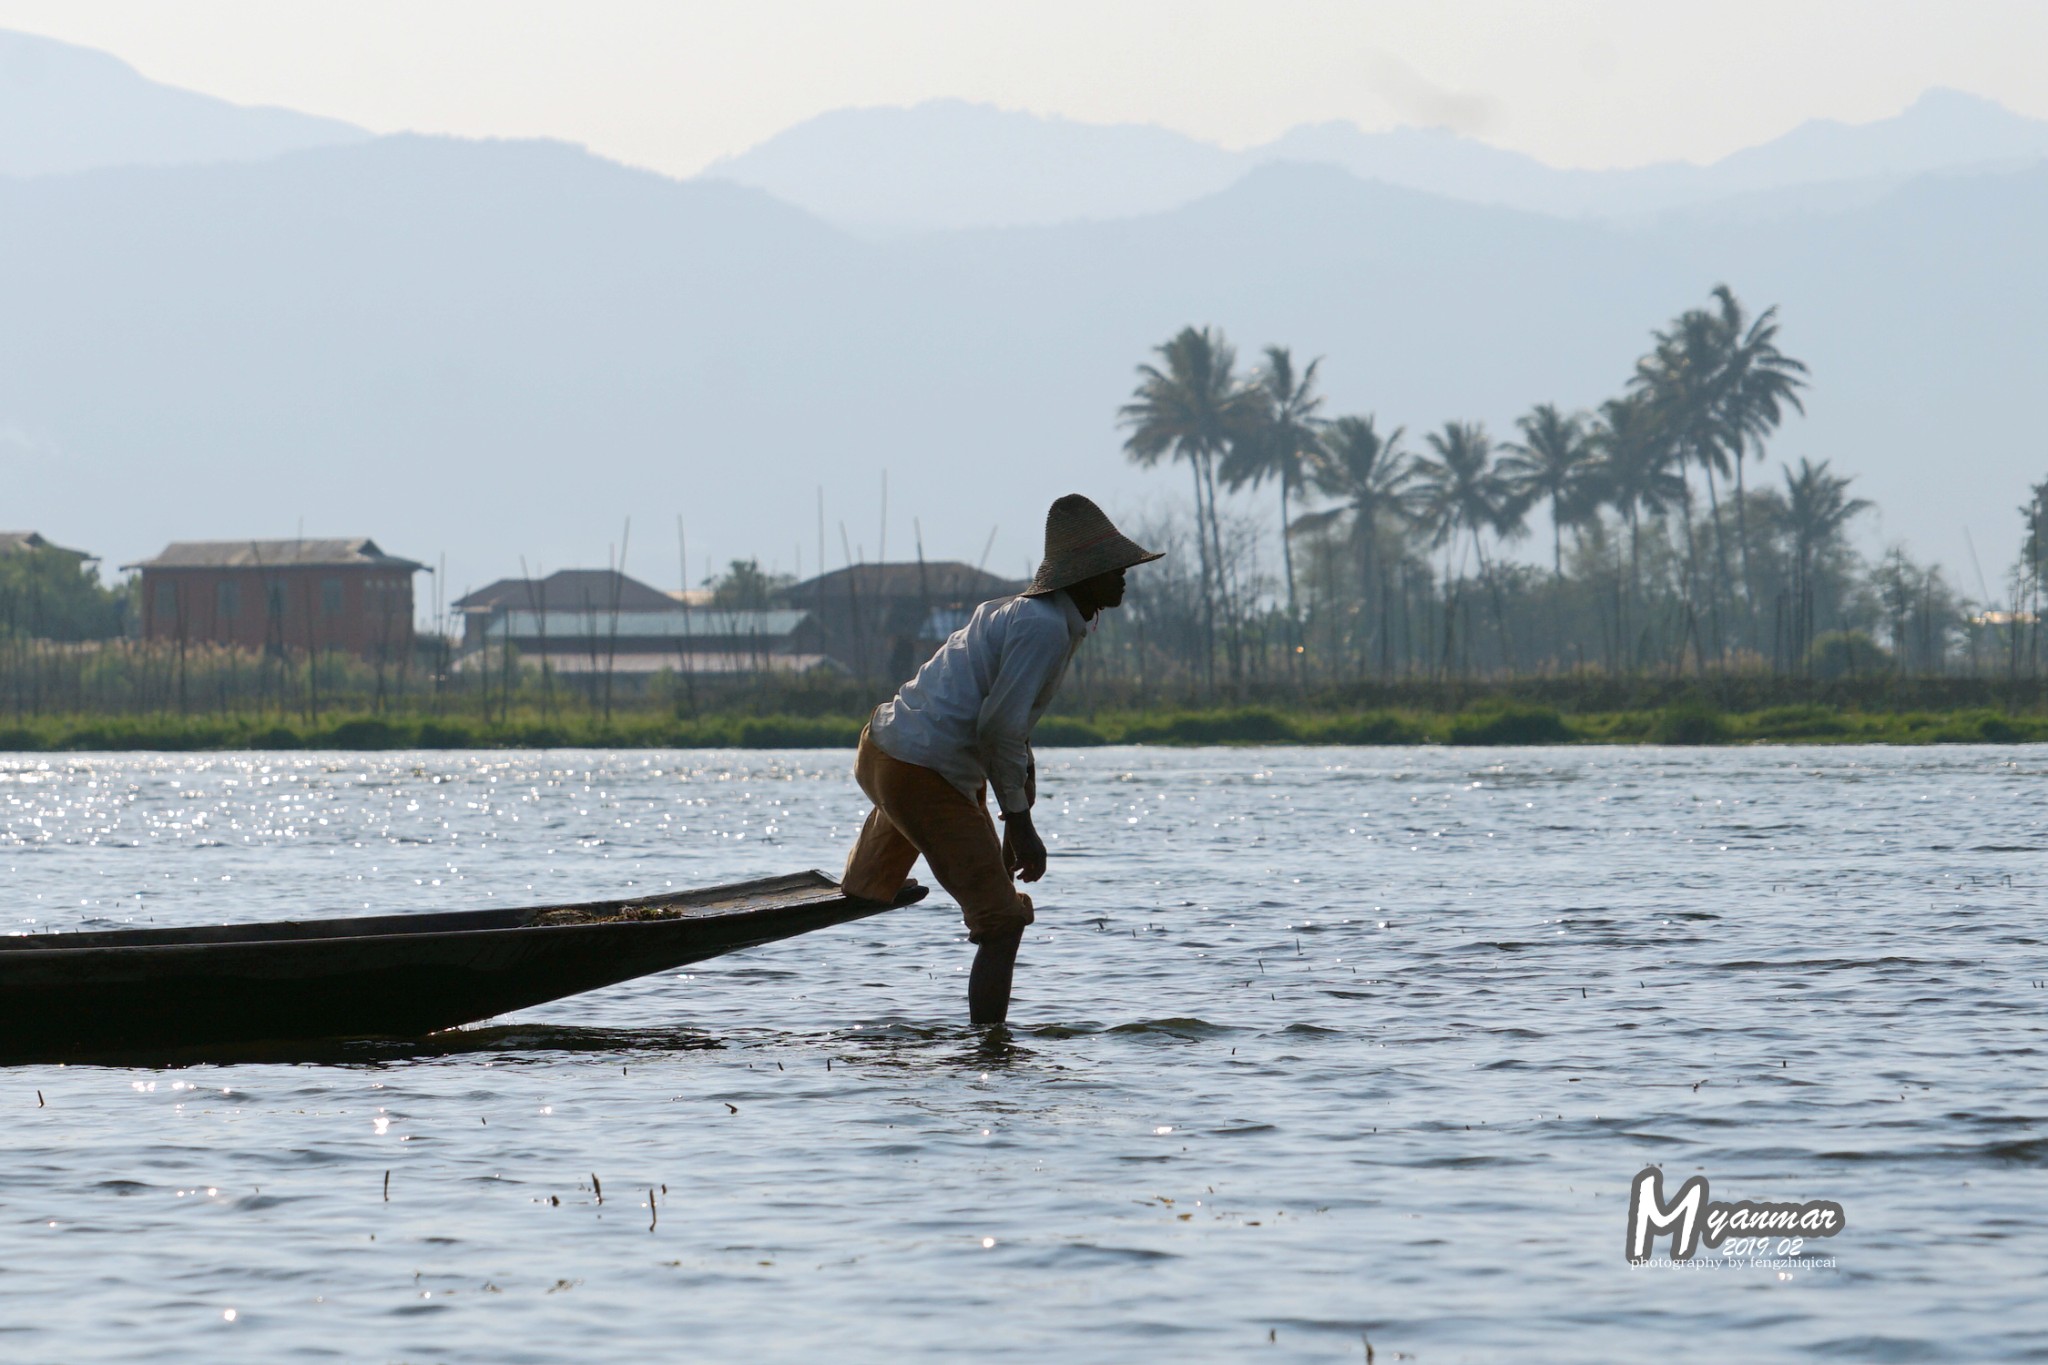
[(65, 108), (948, 164), (503, 349)]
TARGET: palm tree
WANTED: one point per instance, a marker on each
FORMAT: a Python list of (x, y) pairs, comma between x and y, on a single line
[(1192, 408), (1280, 445), (1681, 378), (1553, 460), (1818, 508), (1635, 472), (1460, 489), (1369, 476), (1757, 382), (2033, 561)]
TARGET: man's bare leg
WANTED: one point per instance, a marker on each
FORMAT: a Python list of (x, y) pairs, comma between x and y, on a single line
[(988, 984)]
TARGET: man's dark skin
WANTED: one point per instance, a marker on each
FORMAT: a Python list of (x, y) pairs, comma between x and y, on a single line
[(988, 985)]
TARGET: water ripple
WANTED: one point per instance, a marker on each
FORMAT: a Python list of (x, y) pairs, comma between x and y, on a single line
[(1330, 1046)]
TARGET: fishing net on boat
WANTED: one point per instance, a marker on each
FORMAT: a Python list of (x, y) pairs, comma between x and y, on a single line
[(623, 914)]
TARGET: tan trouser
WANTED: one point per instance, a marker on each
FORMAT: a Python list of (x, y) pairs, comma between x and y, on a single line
[(918, 811)]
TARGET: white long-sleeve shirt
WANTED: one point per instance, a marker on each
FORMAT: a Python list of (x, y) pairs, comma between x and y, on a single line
[(968, 713)]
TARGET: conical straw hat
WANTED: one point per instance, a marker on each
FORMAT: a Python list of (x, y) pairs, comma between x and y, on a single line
[(1080, 542)]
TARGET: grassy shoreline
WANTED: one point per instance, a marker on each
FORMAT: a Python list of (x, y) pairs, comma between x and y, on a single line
[(1486, 723)]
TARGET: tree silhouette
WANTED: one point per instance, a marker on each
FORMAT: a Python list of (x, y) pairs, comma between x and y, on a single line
[(1553, 462), (1757, 383), (1460, 490), (1191, 407), (1370, 477), (1636, 474), (1817, 509), (1281, 440), (1679, 378)]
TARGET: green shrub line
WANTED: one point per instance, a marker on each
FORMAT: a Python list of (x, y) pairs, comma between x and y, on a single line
[(1685, 722)]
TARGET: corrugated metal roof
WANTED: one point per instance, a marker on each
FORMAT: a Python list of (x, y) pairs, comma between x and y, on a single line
[(568, 590), (357, 552), (573, 663), (22, 542), (941, 579), (693, 624)]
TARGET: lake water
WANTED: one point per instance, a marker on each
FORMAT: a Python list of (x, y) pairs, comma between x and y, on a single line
[(1313, 1045)]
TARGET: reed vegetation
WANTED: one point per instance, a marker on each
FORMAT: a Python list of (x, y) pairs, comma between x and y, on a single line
[(1477, 717)]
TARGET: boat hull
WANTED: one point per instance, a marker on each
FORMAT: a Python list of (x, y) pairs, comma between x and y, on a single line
[(78, 995)]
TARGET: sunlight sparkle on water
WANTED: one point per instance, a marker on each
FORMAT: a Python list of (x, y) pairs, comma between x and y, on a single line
[(1555, 959)]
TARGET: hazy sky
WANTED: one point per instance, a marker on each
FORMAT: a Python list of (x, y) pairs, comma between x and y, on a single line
[(673, 84)]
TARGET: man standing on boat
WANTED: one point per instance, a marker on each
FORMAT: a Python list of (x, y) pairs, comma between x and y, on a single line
[(962, 725)]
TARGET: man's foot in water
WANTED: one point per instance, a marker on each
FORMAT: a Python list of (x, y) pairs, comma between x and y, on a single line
[(988, 983)]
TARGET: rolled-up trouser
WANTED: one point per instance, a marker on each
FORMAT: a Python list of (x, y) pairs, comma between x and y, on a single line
[(919, 812)]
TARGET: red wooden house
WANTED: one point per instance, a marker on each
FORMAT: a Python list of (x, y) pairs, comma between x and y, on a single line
[(281, 595)]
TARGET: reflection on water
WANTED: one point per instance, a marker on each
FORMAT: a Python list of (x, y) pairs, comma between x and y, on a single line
[(1310, 1046), (507, 1042)]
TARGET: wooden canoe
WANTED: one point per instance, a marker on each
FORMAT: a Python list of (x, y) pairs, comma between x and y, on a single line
[(139, 991)]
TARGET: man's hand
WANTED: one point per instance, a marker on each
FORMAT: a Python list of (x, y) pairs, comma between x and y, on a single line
[(1023, 850)]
